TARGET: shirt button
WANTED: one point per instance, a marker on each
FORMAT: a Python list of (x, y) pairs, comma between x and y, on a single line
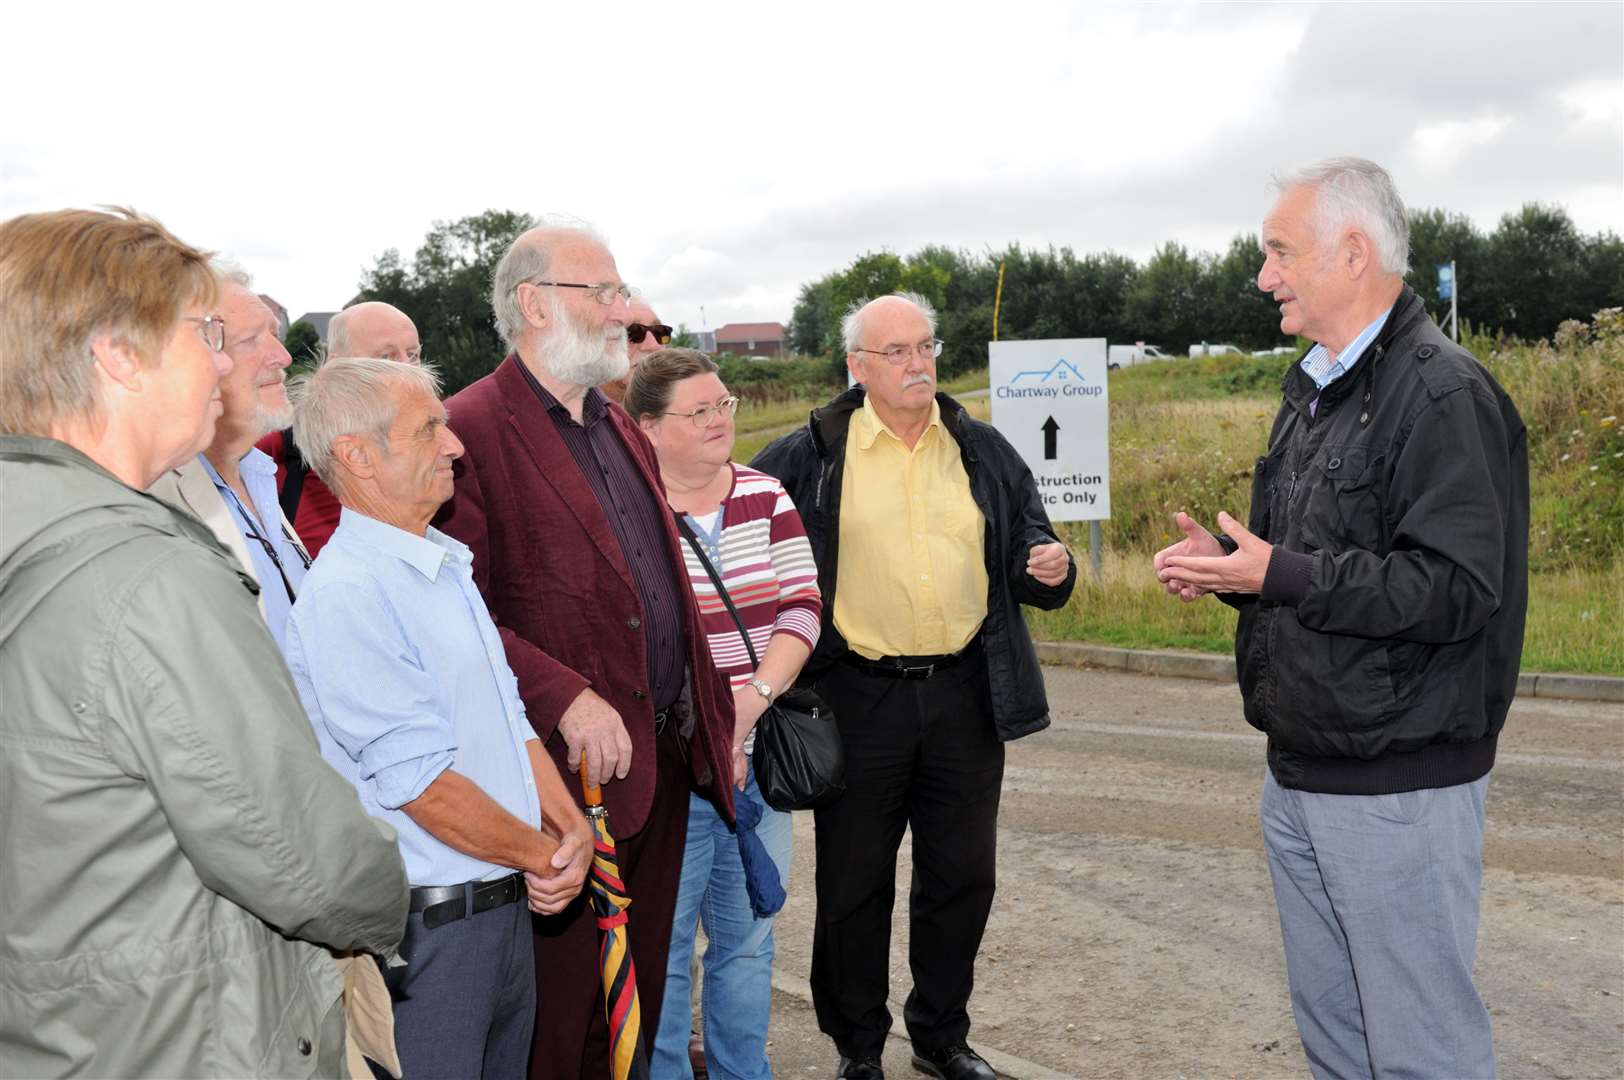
[(634, 622), (304, 1046)]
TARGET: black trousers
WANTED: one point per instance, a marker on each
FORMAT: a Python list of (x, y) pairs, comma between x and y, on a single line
[(923, 755)]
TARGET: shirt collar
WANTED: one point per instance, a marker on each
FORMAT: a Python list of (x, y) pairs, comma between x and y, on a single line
[(426, 554), (256, 461), (869, 425), (1317, 364)]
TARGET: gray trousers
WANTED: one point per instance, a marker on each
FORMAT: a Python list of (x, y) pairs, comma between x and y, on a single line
[(1378, 900), (465, 1002)]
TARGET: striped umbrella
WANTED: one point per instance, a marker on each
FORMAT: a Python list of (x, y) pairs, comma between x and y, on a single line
[(610, 901)]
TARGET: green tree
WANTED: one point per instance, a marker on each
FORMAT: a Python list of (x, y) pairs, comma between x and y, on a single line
[(684, 338), (446, 291), (810, 323), (1242, 314), (1436, 237), (1170, 300), (1534, 260), (302, 342)]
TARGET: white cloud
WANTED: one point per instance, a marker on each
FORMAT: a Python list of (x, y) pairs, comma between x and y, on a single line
[(1440, 145), (733, 151)]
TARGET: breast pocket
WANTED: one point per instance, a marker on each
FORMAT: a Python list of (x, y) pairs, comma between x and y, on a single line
[(1343, 508)]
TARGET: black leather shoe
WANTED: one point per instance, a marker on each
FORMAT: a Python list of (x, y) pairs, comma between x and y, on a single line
[(957, 1062), (863, 1068)]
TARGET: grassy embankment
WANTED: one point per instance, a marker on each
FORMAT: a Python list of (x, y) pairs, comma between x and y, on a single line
[(1185, 434)]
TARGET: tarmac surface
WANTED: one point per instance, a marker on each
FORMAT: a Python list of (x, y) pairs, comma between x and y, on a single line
[(1134, 934)]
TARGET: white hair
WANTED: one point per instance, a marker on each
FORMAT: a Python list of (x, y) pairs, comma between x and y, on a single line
[(527, 260), (851, 326), (1355, 191), (230, 272), (350, 396)]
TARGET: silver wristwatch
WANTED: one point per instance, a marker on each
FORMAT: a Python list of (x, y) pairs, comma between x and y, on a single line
[(764, 688)]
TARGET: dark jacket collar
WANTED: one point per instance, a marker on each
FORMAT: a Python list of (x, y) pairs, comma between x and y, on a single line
[(829, 423)]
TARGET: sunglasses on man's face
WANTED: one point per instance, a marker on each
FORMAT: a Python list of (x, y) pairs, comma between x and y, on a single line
[(635, 332)]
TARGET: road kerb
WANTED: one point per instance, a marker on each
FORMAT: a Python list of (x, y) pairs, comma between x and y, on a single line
[(1219, 668)]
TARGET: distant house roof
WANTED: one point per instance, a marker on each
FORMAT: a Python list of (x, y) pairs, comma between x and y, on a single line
[(750, 331), (318, 319), (279, 311)]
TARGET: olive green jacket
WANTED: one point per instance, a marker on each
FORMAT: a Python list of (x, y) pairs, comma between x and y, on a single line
[(174, 853)]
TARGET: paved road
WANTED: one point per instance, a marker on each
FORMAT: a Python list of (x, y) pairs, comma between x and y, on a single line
[(1135, 935)]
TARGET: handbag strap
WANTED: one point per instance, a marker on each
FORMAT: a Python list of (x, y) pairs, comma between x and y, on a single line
[(716, 579)]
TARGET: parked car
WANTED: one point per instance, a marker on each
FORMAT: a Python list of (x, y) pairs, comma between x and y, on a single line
[(1278, 350), (1205, 349), (1121, 356)]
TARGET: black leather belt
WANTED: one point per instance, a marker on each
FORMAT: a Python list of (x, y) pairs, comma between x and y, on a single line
[(441, 904), (912, 667)]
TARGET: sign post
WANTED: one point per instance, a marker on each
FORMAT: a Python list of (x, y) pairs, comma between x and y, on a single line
[(1447, 291), (1049, 400)]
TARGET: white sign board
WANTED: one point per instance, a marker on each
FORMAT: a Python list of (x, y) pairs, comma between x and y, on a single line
[(1049, 400)]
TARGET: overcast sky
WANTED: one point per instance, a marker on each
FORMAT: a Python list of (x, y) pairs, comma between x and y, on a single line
[(732, 152)]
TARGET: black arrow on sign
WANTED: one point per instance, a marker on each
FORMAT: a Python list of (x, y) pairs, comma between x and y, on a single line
[(1050, 430)]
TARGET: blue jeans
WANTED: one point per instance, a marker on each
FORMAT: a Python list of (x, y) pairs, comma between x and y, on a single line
[(737, 995), (1378, 899)]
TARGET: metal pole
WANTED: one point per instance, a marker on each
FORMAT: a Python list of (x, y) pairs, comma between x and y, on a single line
[(1096, 541), (1454, 300), (997, 298)]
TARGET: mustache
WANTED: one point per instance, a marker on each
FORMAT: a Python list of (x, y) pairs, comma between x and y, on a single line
[(915, 380)]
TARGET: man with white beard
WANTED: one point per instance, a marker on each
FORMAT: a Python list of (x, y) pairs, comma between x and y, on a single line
[(558, 497), (231, 486)]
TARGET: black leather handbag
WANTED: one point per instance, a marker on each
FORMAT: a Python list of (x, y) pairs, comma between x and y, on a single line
[(799, 758)]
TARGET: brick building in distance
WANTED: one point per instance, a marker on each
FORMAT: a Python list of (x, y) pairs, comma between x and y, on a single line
[(752, 339)]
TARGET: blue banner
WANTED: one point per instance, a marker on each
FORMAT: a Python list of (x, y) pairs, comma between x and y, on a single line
[(1446, 281)]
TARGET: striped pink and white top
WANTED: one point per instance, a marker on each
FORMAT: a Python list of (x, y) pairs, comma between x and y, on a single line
[(766, 563)]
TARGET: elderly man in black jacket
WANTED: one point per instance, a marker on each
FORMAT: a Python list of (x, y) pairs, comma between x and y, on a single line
[(1382, 584), (929, 534)]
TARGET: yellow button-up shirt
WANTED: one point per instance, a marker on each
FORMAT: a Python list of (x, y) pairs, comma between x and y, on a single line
[(912, 576)]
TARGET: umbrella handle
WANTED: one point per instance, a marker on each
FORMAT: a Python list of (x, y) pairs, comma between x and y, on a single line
[(593, 793)]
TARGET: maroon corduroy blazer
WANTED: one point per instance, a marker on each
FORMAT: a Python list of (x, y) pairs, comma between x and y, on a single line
[(548, 564)]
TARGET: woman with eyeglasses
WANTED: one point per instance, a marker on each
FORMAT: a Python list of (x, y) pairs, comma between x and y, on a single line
[(749, 531)]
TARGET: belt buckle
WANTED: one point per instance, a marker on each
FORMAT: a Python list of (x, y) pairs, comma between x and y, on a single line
[(920, 671)]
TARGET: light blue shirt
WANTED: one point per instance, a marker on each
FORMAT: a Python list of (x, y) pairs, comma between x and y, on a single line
[(264, 519), (402, 672), (1319, 366)]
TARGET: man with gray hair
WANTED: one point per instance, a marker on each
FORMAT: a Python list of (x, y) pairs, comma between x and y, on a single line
[(929, 535), (1382, 584), (401, 671), (369, 328), (558, 496), (231, 485)]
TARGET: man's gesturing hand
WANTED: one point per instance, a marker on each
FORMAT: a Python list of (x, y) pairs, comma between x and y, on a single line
[(1197, 541), (1213, 571), (592, 727), (1048, 563)]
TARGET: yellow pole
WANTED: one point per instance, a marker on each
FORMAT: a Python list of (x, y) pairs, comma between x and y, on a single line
[(997, 299)]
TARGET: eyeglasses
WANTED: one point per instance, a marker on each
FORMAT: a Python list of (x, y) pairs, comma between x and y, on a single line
[(897, 355), (703, 415), (211, 328), (410, 356), (604, 292), (636, 332)]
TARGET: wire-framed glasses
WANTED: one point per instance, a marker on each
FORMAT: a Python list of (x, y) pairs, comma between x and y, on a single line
[(703, 415)]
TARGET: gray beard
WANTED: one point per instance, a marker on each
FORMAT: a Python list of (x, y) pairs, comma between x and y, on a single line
[(582, 359), (266, 420)]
